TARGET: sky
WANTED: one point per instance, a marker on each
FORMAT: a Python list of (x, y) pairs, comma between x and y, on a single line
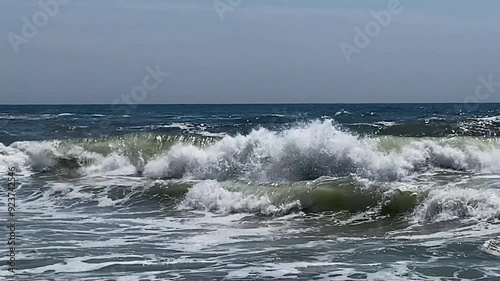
[(248, 51)]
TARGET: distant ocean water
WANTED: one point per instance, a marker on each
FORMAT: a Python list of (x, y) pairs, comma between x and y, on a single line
[(254, 192)]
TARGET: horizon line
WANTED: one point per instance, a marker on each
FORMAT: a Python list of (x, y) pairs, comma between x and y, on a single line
[(257, 103)]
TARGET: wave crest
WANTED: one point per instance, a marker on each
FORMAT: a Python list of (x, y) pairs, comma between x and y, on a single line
[(454, 203), (305, 152), (211, 196), (319, 149)]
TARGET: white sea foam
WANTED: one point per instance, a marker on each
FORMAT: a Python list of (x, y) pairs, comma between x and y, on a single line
[(210, 134), (386, 123), (304, 152), (317, 149), (342, 112), (453, 203), (113, 164), (27, 117), (211, 196), (29, 156), (65, 114), (12, 157), (492, 247)]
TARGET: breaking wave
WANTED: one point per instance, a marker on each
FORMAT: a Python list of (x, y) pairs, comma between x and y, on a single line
[(344, 197), (313, 167), (453, 203), (119, 155), (320, 149), (337, 195), (305, 152)]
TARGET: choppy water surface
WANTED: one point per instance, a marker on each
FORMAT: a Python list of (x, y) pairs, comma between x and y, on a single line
[(254, 192)]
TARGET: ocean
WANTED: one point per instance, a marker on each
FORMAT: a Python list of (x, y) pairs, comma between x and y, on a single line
[(252, 192)]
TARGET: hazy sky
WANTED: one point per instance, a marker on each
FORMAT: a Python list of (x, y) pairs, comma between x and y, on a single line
[(95, 51)]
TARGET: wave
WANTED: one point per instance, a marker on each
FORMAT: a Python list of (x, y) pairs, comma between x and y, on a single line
[(322, 149), (452, 203), (346, 198), (305, 152), (211, 196), (27, 117), (313, 167), (65, 114), (337, 195), (111, 155)]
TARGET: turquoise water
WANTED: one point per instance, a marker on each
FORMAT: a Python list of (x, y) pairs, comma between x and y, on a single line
[(254, 192)]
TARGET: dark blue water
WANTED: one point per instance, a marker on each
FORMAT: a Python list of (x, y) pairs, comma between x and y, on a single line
[(41, 122), (254, 192)]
